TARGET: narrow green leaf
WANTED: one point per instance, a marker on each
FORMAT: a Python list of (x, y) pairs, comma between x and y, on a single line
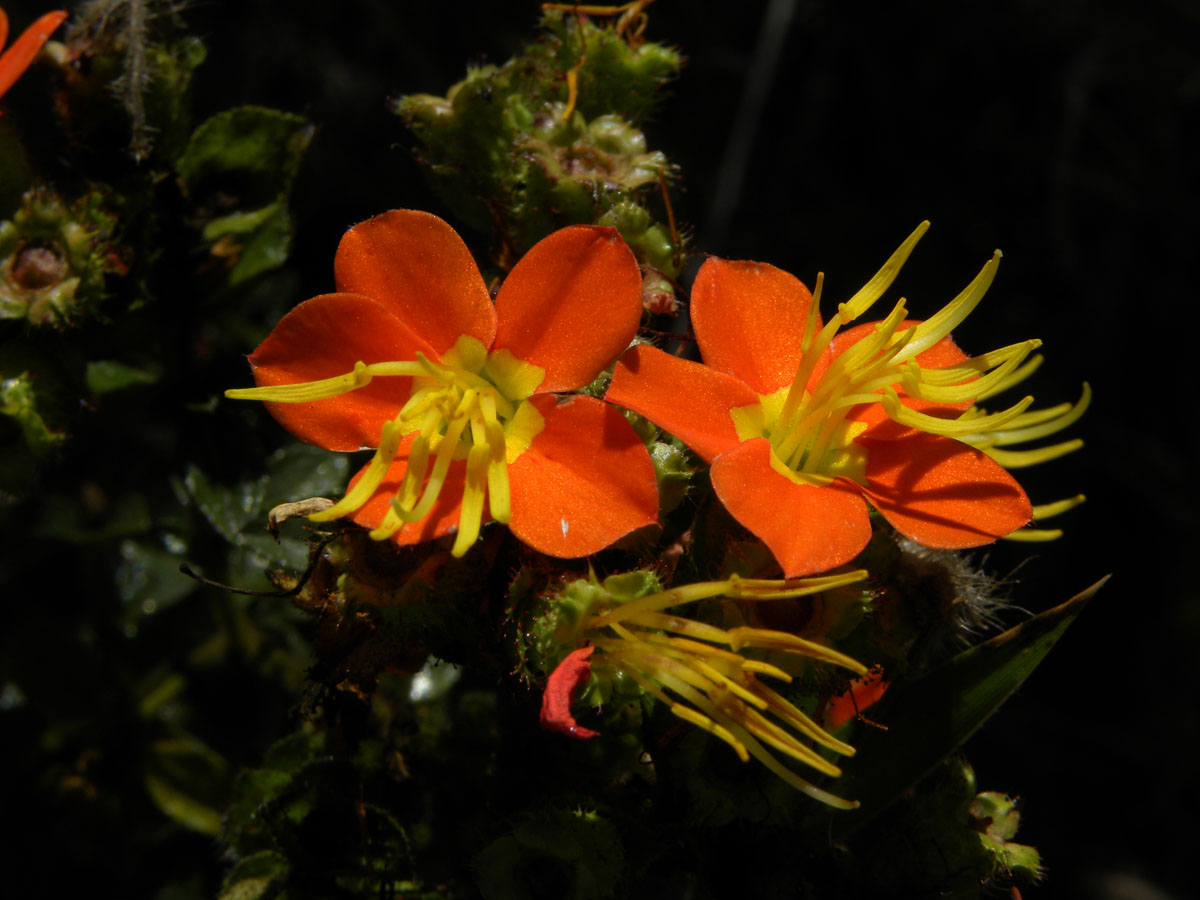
[(107, 375), (189, 782), (930, 718)]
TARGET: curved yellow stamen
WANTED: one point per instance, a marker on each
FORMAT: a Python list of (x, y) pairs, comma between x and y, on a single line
[(1049, 510)]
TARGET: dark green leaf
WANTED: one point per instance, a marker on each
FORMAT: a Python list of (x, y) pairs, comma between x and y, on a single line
[(929, 719)]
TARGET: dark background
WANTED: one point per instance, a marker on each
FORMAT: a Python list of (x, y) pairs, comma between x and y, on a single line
[(816, 135)]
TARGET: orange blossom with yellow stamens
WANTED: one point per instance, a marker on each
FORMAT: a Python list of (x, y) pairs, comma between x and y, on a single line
[(804, 423), (459, 394)]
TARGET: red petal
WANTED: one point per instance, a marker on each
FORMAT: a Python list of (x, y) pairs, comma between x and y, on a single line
[(808, 528), (571, 305), (442, 520), (749, 321), (943, 493), (419, 268), (879, 427), (562, 684), (324, 337), (16, 59), (689, 400), (863, 693), (585, 481)]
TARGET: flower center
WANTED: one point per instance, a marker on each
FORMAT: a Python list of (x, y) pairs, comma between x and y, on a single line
[(469, 406), (808, 422)]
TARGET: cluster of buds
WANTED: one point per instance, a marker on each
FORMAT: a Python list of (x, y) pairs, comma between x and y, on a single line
[(54, 259)]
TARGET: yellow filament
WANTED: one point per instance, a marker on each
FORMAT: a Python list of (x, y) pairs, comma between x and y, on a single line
[(976, 365), (948, 427), (1034, 535), (1019, 459), (764, 639), (952, 314), (441, 466), (471, 516), (770, 733), (688, 714), (875, 288), (1049, 510), (792, 716), (916, 384), (1031, 432), (389, 444), (1031, 366), (814, 314), (717, 688)]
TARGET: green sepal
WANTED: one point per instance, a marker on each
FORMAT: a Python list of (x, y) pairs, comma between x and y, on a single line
[(930, 718)]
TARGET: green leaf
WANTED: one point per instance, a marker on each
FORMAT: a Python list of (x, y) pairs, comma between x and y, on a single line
[(148, 580), (18, 400), (930, 718), (253, 876), (189, 782), (249, 152), (228, 510), (107, 375)]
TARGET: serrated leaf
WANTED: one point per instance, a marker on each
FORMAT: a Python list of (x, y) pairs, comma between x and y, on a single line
[(930, 718), (189, 782)]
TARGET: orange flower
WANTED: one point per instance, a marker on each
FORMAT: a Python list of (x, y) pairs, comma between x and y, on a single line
[(16, 59), (412, 357), (803, 424)]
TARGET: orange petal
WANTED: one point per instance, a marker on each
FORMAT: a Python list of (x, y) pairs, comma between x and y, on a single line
[(943, 493), (16, 59), (808, 528), (419, 268), (324, 337), (749, 321), (689, 400), (441, 521), (571, 305), (585, 481), (879, 427)]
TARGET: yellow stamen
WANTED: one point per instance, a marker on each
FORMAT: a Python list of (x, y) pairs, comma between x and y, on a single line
[(1034, 535), (1049, 510), (389, 443), (471, 516), (1019, 459), (716, 688), (467, 406)]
